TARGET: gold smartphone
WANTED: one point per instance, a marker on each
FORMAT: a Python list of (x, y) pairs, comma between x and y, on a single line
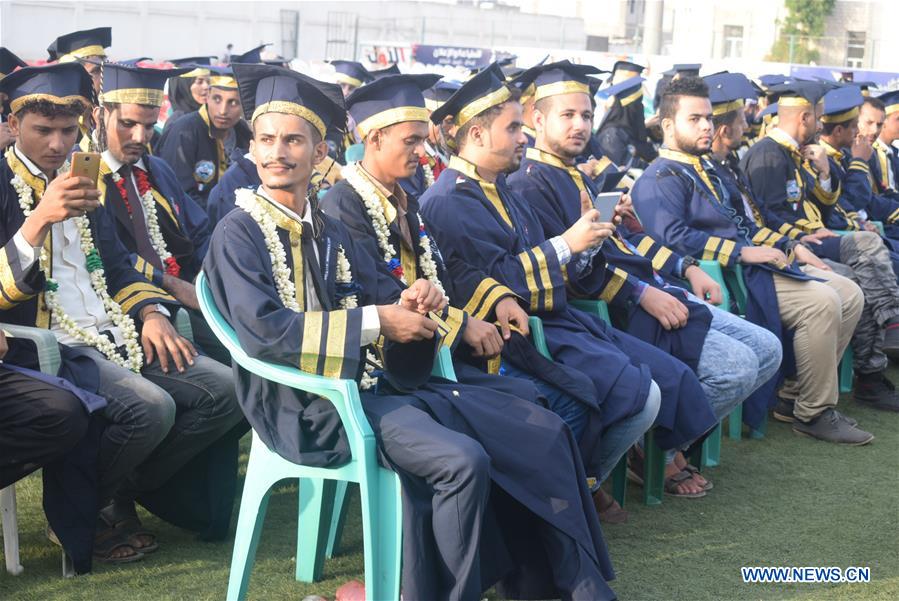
[(86, 164)]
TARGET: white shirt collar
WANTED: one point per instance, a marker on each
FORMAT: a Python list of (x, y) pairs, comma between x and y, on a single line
[(115, 164), (789, 138), (307, 211)]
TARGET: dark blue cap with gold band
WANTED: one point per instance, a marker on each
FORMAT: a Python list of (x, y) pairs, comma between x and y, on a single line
[(61, 84), (890, 101), (798, 93), (562, 77), (221, 77), (729, 91), (483, 91), (272, 89), (440, 92), (623, 70), (390, 100), (774, 79), (351, 73), (250, 56), (125, 84), (842, 104), (9, 62), (199, 65), (627, 91), (80, 44), (391, 70)]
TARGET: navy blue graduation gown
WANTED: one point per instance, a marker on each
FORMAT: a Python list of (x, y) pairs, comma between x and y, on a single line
[(469, 289), (487, 225), (184, 225), (22, 293), (544, 474), (241, 174), (198, 159), (681, 206), (552, 189)]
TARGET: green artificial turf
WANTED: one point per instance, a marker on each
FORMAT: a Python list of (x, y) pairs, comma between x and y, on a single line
[(781, 501)]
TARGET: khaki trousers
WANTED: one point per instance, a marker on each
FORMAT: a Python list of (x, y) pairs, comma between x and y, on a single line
[(823, 316)]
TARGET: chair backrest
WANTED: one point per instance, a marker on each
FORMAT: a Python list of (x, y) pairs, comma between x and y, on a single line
[(354, 153)]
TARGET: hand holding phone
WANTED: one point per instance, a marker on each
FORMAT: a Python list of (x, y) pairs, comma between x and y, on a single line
[(86, 164)]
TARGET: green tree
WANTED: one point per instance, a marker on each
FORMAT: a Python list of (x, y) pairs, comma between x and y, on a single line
[(804, 23)]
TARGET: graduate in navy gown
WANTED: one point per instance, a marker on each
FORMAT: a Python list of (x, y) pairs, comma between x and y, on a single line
[(730, 356), (476, 218), (622, 132), (291, 282), (392, 118)]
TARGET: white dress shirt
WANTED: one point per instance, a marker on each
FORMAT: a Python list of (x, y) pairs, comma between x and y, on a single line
[(77, 297), (371, 323)]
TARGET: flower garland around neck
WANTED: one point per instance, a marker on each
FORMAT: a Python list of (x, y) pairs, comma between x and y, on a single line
[(369, 194), (427, 170), (134, 358), (157, 240), (247, 200)]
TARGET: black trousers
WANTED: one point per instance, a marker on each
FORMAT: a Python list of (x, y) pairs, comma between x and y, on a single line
[(39, 423)]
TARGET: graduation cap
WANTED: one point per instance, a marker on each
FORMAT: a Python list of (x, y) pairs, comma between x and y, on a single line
[(127, 84), (627, 91), (389, 100), (80, 44), (562, 77), (483, 91), (683, 69), (890, 101), (278, 61), (768, 81), (798, 93), (841, 104), (865, 86), (9, 62), (351, 73), (199, 65), (60, 84), (250, 56), (391, 70), (728, 91), (623, 70), (272, 89), (221, 77), (439, 93)]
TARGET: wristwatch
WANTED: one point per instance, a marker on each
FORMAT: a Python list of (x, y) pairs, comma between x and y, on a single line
[(687, 262)]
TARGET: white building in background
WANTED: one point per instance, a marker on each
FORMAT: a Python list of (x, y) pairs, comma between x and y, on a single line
[(310, 30)]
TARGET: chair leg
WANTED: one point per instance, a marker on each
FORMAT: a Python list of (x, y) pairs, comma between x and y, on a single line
[(653, 470), (10, 530), (619, 480), (315, 513), (338, 519), (711, 448), (382, 523), (846, 370), (735, 423), (253, 505)]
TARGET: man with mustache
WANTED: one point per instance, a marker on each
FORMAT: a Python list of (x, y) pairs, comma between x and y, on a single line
[(166, 234), (201, 145), (731, 357)]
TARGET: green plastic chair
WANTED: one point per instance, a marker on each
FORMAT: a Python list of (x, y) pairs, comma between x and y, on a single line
[(733, 290), (379, 487), (354, 153)]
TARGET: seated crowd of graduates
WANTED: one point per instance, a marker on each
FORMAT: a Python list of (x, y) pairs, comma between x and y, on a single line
[(470, 210)]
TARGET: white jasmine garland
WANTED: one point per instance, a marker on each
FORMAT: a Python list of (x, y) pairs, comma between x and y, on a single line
[(135, 356), (247, 200), (370, 198)]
